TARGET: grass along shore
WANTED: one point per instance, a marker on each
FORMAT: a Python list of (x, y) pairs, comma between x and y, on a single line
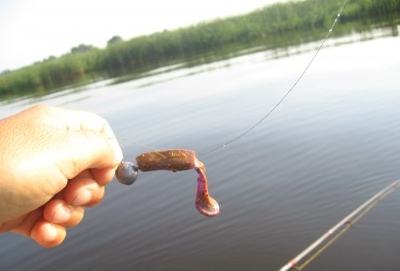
[(274, 26)]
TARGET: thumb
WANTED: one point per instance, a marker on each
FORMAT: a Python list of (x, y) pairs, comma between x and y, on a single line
[(88, 149)]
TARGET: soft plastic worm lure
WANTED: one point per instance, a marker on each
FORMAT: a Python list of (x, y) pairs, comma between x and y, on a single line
[(173, 160)]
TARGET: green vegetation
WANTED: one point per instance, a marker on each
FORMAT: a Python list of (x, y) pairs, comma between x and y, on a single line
[(301, 21)]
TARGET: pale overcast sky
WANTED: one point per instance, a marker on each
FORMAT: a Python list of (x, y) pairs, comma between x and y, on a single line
[(31, 30)]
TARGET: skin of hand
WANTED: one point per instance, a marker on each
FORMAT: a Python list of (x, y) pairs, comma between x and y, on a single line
[(54, 162)]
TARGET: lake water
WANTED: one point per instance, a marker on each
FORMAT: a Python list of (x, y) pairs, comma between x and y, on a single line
[(331, 145)]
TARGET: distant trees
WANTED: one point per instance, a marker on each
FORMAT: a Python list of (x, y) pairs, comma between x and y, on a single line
[(5, 71), (114, 40), (301, 19), (81, 48)]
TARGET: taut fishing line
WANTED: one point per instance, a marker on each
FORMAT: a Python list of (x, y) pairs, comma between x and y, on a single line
[(136, 142), (286, 94), (275, 106)]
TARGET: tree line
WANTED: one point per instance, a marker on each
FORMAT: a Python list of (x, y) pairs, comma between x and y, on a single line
[(142, 53)]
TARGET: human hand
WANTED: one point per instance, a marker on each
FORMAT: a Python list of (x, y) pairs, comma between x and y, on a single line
[(53, 163)]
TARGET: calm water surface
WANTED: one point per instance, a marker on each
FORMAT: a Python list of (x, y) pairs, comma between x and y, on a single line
[(330, 146)]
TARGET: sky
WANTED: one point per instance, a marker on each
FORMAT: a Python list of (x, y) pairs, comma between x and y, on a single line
[(32, 30)]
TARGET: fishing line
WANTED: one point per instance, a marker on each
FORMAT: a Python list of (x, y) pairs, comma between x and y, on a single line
[(136, 142), (274, 107), (286, 94)]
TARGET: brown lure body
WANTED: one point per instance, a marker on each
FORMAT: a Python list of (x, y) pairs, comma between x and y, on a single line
[(174, 160)]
